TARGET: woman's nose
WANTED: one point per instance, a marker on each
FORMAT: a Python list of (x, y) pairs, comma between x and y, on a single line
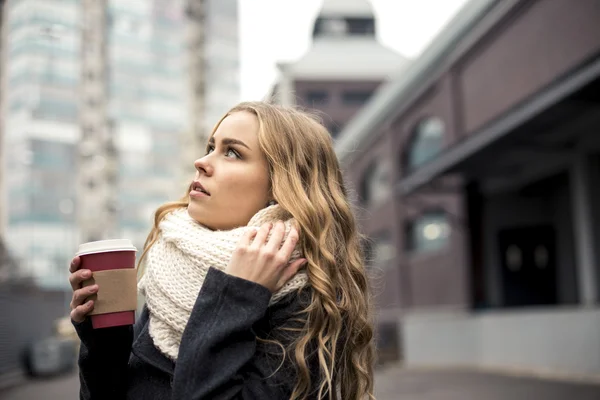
[(202, 165)]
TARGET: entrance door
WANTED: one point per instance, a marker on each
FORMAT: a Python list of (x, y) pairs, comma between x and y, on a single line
[(528, 262)]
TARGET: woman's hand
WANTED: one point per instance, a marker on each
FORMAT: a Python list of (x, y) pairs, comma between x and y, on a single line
[(79, 306), (263, 262)]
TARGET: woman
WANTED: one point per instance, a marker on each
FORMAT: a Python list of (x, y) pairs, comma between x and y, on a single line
[(254, 281)]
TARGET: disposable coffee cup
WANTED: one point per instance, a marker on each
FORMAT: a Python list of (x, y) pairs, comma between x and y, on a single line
[(112, 263)]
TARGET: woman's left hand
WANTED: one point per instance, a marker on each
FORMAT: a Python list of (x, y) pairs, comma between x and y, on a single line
[(264, 262)]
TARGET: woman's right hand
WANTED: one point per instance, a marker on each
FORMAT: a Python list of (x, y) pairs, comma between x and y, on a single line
[(80, 308)]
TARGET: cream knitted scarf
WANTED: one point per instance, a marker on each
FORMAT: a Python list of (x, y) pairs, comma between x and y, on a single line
[(176, 266)]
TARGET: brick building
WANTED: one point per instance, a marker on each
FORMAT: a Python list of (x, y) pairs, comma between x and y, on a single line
[(478, 169)]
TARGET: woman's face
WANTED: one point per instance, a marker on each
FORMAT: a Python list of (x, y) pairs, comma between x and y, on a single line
[(234, 174)]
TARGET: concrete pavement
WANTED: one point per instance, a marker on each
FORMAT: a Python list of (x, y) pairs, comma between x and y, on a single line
[(61, 388), (391, 384), (456, 384)]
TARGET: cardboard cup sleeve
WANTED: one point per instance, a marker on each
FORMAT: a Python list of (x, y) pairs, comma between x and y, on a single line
[(117, 290)]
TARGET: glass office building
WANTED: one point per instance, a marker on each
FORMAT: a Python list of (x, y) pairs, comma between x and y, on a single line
[(147, 108)]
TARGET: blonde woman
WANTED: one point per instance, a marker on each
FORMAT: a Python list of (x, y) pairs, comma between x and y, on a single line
[(254, 281)]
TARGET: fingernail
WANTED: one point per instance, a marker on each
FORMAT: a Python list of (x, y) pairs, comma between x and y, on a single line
[(93, 288), (86, 274)]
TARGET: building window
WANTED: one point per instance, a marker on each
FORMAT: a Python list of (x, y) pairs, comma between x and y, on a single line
[(51, 155), (356, 97), (428, 233), (361, 26), (382, 249), (376, 183), (330, 27), (316, 97), (56, 109), (388, 343), (378, 250), (427, 141)]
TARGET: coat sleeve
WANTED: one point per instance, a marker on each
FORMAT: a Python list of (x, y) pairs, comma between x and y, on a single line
[(103, 361), (219, 357)]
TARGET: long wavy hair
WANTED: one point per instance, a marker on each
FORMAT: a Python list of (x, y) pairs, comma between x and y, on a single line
[(307, 182)]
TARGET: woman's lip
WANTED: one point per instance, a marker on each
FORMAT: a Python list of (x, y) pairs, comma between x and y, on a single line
[(197, 193)]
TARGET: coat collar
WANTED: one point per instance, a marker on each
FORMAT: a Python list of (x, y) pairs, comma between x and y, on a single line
[(143, 346)]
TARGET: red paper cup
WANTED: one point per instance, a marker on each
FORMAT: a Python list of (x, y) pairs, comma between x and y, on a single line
[(104, 255)]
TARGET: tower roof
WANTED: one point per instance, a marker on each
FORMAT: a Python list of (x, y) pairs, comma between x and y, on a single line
[(345, 46), (346, 8)]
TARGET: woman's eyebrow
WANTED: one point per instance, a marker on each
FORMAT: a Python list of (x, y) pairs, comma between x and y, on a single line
[(228, 141)]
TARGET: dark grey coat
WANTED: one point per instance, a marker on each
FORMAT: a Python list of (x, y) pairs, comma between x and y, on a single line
[(219, 357)]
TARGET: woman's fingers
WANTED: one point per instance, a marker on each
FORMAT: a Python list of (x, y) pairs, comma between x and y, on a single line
[(261, 235), (248, 237), (276, 238), (80, 295), (289, 271), (263, 261), (75, 263), (77, 277), (79, 306), (79, 313), (289, 245)]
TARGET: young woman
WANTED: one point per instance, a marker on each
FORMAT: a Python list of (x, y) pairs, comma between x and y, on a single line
[(254, 282)]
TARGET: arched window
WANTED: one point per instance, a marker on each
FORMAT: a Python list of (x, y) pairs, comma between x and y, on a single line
[(428, 232), (376, 182), (379, 249), (426, 142)]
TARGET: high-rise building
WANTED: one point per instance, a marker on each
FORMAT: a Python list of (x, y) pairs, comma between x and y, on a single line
[(222, 60), (4, 256), (146, 113), (214, 71), (41, 67)]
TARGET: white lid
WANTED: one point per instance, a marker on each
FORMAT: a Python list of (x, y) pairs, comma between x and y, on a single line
[(104, 246)]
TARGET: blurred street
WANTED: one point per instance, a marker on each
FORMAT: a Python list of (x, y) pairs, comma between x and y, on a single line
[(390, 385), (63, 388)]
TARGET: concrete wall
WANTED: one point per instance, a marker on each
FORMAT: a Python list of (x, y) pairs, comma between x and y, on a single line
[(555, 340)]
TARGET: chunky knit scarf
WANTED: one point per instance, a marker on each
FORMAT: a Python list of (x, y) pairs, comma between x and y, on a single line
[(177, 263)]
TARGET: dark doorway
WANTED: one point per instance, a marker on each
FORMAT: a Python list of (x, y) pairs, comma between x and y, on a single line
[(528, 262)]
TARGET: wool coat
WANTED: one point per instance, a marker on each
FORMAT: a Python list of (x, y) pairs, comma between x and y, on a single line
[(221, 356)]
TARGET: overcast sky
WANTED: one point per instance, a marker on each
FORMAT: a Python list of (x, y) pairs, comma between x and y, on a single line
[(280, 30)]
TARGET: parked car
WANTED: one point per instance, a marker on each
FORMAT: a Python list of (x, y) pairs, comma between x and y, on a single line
[(54, 355)]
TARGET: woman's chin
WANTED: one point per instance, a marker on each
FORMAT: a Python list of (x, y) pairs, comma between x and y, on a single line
[(195, 213)]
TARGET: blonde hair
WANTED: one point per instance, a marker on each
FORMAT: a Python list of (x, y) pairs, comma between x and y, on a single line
[(307, 182)]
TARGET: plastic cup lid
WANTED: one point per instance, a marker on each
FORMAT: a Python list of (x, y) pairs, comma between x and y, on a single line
[(104, 246)]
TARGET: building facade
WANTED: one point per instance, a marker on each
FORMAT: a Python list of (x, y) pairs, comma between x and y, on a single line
[(344, 66), (490, 139), (41, 73), (71, 117), (214, 72)]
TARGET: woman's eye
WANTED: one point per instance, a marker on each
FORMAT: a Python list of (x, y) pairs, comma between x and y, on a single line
[(229, 153), (232, 153)]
